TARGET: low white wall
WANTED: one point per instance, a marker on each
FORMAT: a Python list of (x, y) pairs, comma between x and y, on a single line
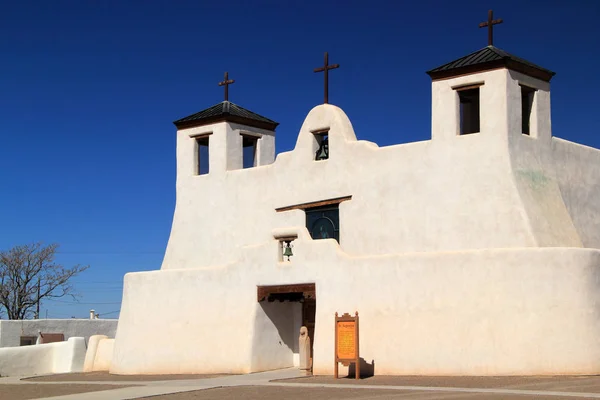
[(11, 331), (104, 355), (90, 354), (484, 312), (51, 358)]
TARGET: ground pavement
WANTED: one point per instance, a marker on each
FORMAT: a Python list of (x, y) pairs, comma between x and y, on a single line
[(292, 385)]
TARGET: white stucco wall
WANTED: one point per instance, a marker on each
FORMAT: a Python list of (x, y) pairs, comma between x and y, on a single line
[(104, 355), (578, 177), (11, 331), (534, 166), (51, 358), (275, 338), (92, 349), (463, 254), (481, 312), (496, 188), (430, 214)]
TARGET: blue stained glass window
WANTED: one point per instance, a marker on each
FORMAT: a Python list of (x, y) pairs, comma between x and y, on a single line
[(324, 222)]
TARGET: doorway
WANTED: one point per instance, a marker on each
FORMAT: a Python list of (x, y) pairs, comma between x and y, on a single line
[(284, 309)]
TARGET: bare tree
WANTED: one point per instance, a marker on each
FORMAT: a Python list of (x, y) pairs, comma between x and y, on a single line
[(29, 274)]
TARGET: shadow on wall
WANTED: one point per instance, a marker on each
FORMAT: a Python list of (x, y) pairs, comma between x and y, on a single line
[(281, 315), (366, 370)]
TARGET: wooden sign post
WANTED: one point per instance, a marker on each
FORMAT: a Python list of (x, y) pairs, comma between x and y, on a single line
[(346, 342)]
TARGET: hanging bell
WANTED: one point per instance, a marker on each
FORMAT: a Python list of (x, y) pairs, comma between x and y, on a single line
[(287, 251), (323, 152)]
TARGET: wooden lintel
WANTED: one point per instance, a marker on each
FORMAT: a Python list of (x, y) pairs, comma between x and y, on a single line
[(320, 131), (468, 86), (528, 88), (286, 238), (200, 135), (307, 289), (251, 135), (311, 204)]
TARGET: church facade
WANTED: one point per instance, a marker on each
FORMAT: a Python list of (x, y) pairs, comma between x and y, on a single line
[(473, 253)]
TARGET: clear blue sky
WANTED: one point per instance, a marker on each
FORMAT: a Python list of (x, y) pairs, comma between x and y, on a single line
[(89, 90)]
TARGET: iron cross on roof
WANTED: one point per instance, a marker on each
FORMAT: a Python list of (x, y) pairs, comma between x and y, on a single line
[(325, 68), (226, 83), (490, 25)]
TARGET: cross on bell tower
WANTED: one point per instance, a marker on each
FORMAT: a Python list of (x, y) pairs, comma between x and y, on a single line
[(325, 68), (490, 25), (226, 82)]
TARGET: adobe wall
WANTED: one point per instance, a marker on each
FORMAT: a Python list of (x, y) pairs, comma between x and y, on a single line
[(462, 254), (481, 312), (50, 358), (426, 196), (578, 175), (11, 331)]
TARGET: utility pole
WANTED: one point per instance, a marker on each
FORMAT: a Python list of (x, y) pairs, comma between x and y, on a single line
[(37, 313)]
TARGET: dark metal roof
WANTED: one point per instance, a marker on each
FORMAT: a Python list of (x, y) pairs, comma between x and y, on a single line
[(226, 111), (489, 57)]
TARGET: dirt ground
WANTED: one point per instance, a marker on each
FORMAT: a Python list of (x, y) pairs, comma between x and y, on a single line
[(438, 388), (276, 393), (26, 392), (105, 376), (556, 383)]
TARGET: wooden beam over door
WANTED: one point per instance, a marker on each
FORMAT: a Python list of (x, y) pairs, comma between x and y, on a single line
[(306, 289)]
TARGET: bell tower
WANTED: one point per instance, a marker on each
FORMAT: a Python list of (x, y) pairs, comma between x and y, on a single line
[(490, 92), (223, 138), (494, 107)]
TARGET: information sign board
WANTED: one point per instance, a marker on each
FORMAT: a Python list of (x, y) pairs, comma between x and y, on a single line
[(346, 342)]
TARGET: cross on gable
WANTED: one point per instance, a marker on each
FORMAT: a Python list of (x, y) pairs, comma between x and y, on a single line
[(325, 68), (226, 82), (490, 25)]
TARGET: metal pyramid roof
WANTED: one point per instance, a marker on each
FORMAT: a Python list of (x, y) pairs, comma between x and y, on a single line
[(489, 57), (226, 111)]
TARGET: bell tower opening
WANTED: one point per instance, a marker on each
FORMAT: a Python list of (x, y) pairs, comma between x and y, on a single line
[(527, 95), (249, 146), (469, 110), (321, 145), (202, 155)]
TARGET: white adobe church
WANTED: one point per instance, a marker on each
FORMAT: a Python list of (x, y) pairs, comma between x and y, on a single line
[(473, 253)]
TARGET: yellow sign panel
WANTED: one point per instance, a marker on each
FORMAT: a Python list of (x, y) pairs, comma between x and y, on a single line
[(346, 340)]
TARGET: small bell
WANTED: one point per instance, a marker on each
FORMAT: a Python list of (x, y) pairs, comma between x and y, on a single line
[(287, 251), (323, 152)]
